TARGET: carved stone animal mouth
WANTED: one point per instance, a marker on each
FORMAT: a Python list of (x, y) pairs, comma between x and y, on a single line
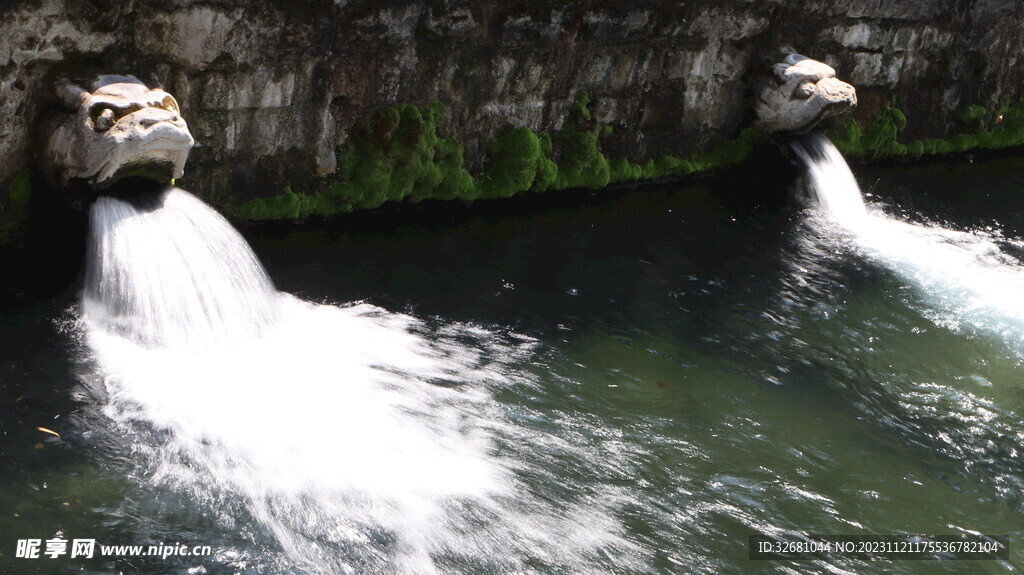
[(156, 157)]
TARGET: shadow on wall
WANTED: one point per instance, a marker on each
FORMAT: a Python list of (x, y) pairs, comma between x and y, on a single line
[(41, 242)]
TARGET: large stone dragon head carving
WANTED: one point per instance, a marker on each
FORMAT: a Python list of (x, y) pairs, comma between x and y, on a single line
[(805, 93), (118, 127)]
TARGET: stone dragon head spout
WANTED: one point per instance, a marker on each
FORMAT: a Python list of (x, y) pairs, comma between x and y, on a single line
[(116, 128), (804, 93)]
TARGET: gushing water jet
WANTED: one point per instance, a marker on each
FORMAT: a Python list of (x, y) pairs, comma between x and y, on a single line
[(965, 276), (128, 141)]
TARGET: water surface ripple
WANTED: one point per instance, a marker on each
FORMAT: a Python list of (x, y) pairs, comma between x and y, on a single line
[(632, 385)]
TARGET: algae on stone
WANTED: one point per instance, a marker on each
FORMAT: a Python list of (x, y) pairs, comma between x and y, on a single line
[(395, 154), (15, 208), (727, 153), (581, 163), (520, 160), (287, 206), (1001, 128)]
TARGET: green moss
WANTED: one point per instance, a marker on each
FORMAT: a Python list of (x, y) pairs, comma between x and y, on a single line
[(520, 160), (19, 192), (547, 170), (388, 157), (15, 210), (880, 137), (974, 116), (846, 137), (915, 149), (728, 153), (395, 154), (581, 163), (287, 206), (882, 134), (622, 170)]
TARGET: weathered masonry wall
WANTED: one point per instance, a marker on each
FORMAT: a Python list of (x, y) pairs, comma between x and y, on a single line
[(276, 93)]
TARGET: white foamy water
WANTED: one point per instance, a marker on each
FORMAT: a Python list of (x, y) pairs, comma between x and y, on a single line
[(356, 440), (963, 275)]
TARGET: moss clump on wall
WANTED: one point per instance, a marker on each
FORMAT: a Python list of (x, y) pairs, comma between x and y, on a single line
[(395, 154), (991, 130), (455, 180), (727, 153), (15, 207), (287, 206), (520, 160), (581, 163), (879, 139), (974, 116)]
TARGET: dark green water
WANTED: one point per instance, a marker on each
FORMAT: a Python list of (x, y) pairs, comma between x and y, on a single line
[(701, 368)]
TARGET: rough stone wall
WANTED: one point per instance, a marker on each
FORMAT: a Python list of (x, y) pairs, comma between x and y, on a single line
[(270, 89)]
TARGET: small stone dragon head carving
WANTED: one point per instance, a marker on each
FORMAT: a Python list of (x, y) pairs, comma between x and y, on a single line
[(119, 127), (805, 93)]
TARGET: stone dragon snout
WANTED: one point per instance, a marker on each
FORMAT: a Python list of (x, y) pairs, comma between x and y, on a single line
[(117, 128), (805, 93)]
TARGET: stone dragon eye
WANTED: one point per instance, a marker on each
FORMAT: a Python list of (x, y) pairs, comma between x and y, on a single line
[(804, 91), (169, 104), (103, 117)]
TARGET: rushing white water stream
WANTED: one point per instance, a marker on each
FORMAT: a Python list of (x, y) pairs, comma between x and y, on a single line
[(697, 372), (164, 268), (351, 438), (965, 276), (320, 439)]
